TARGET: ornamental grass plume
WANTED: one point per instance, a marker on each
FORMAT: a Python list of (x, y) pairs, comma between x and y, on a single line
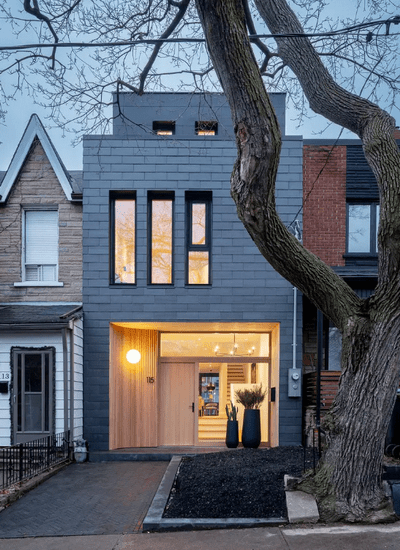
[(251, 399)]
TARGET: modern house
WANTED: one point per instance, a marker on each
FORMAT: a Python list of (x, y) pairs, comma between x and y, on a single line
[(180, 307), (41, 353)]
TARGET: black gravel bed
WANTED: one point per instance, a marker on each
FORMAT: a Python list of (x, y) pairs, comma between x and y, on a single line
[(241, 483)]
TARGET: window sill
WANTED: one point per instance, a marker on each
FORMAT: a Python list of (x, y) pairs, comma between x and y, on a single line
[(368, 255), (39, 283)]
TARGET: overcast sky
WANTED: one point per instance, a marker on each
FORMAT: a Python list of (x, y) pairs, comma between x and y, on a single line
[(19, 112)]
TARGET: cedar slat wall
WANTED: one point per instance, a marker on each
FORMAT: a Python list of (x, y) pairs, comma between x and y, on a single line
[(133, 400), (177, 420), (329, 388)]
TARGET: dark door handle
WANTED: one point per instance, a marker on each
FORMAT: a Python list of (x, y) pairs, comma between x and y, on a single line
[(192, 407)]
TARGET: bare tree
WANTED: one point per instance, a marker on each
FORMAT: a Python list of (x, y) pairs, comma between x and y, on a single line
[(348, 481)]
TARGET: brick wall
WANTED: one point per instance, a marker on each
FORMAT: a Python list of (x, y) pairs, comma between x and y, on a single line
[(38, 184), (324, 195)]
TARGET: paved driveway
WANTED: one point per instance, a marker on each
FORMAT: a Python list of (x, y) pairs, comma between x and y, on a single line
[(86, 499)]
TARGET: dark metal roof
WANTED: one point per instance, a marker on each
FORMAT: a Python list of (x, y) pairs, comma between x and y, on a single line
[(31, 316)]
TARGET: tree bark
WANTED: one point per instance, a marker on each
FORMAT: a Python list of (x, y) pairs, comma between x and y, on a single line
[(348, 483)]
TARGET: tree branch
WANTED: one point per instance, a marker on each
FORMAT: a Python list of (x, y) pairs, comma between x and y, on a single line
[(35, 11), (253, 179), (373, 125), (182, 7)]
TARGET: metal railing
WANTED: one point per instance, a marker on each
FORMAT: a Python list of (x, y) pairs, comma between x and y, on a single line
[(25, 460)]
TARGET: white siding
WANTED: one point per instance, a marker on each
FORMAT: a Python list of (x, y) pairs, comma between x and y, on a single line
[(9, 340), (78, 382)]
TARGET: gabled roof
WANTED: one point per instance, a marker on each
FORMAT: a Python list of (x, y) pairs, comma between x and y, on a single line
[(35, 129)]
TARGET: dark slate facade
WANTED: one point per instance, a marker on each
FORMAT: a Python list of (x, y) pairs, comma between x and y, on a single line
[(244, 288)]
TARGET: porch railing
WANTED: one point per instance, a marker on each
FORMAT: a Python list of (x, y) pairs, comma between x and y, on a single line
[(25, 460)]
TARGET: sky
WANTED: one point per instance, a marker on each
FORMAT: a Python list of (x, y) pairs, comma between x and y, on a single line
[(19, 112)]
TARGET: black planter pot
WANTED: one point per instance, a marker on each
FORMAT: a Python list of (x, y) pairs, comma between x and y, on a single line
[(232, 434), (251, 434)]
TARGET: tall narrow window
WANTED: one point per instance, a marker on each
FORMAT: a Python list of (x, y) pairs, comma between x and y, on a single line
[(123, 216), (160, 237), (40, 257), (363, 221), (198, 235)]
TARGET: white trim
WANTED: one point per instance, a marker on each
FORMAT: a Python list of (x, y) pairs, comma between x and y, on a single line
[(33, 129), (37, 283)]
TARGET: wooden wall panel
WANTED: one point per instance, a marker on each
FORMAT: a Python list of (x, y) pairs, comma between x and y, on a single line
[(178, 403), (133, 399)]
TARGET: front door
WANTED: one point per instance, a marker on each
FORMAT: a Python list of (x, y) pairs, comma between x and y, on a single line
[(178, 403), (32, 394)]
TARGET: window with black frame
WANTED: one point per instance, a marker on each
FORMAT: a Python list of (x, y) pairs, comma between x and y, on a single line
[(362, 228), (160, 237), (198, 238), (123, 238)]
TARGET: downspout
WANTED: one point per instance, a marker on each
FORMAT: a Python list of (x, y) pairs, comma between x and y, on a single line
[(294, 327), (296, 231), (320, 330), (72, 378), (65, 372)]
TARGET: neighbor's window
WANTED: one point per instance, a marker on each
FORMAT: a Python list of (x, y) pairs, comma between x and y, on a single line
[(206, 127), (123, 215), (160, 219), (362, 234), (40, 250), (198, 235)]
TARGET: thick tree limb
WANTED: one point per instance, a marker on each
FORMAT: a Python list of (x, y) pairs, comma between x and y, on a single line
[(253, 179), (373, 125)]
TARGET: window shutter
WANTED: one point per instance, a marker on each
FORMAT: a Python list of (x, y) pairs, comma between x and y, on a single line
[(41, 237)]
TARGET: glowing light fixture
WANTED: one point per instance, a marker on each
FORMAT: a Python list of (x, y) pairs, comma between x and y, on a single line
[(133, 356), (234, 351)]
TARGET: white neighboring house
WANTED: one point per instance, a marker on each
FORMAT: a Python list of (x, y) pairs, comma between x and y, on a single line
[(41, 325)]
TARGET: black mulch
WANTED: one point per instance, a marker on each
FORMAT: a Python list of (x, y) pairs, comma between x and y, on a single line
[(243, 483)]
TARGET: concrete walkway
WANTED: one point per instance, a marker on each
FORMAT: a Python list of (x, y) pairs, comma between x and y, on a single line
[(270, 538)]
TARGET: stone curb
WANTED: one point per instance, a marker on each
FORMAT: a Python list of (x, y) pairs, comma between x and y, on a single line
[(20, 489), (302, 507), (155, 522)]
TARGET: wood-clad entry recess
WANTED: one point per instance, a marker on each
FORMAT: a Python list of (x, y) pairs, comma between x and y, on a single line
[(133, 395), (178, 403), (151, 403)]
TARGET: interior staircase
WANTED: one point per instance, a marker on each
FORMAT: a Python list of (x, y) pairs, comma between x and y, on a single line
[(235, 375), (212, 428)]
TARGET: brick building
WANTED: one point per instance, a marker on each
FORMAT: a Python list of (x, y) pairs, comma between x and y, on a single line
[(341, 216), (41, 359), (171, 276)]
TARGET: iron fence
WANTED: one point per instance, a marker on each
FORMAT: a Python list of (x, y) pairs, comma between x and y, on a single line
[(25, 460)]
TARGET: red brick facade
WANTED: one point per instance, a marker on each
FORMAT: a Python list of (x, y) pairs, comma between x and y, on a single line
[(324, 196)]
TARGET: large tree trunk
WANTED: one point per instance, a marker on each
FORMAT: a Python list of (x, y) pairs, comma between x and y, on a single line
[(348, 483)]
